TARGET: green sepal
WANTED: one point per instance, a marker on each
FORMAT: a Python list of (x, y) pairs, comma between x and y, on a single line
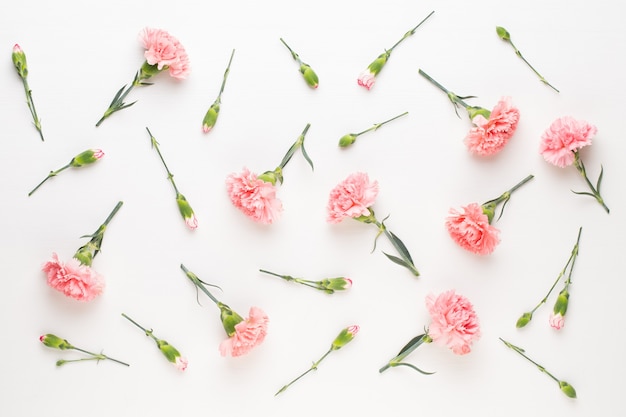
[(567, 389), (524, 320), (379, 63), (229, 318), (210, 118), (347, 140), (309, 75), (503, 33)]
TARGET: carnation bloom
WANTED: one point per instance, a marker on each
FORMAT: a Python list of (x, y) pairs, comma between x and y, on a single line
[(248, 333), (253, 196), (165, 51), (565, 136), (557, 321), (352, 197), (454, 321), (181, 363), (488, 136), (366, 79), (471, 230), (73, 279)]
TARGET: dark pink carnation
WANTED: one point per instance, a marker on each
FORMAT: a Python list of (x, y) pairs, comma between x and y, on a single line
[(73, 279), (352, 197), (248, 333), (254, 197), (165, 51), (471, 230), (564, 137), (454, 321), (488, 137)]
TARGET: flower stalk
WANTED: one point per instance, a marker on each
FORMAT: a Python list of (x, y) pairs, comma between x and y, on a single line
[(277, 174), (565, 387), (210, 118), (55, 342), (19, 61), (310, 77), (350, 138), (183, 206), (328, 285), (84, 158), (87, 252), (342, 339), (457, 100), (595, 190), (527, 317), (506, 36), (489, 207)]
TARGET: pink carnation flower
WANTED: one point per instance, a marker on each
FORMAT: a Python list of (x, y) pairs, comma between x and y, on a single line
[(454, 321), (181, 363), (352, 197), (367, 79), (73, 279), (254, 197), (488, 137), (165, 51), (471, 230), (564, 137), (557, 321), (248, 334)]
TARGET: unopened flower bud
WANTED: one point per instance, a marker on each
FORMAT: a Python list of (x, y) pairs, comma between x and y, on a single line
[(567, 389), (309, 76), (345, 337), (503, 33), (524, 320), (19, 60), (87, 157), (560, 306), (347, 140), (379, 63), (337, 284), (172, 354), (186, 211), (210, 118), (55, 342)]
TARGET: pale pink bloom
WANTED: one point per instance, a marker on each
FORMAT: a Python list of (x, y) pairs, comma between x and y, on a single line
[(352, 197), (181, 363), (471, 230), (165, 51), (488, 137), (557, 321), (254, 197), (248, 334), (454, 321), (191, 222), (564, 137), (98, 153), (366, 79), (73, 279), (17, 49)]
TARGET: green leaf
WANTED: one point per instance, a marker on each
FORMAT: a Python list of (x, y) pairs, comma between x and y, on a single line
[(583, 193), (306, 156), (599, 179), (414, 367), (416, 340), (402, 262), (397, 243)]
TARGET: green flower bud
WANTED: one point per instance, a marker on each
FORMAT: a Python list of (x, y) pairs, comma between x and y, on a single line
[(347, 140), (19, 60), (524, 320), (186, 211), (345, 337), (560, 306), (503, 33), (210, 118), (337, 284), (379, 63), (309, 76), (55, 342), (567, 389), (229, 319), (87, 157)]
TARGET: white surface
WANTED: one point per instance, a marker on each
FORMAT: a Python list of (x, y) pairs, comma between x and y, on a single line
[(80, 53)]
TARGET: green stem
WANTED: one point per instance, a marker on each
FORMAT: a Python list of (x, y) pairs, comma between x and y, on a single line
[(147, 332), (521, 352), (595, 192), (377, 125), (456, 100), (170, 176), (198, 283), (98, 356), (410, 32), (31, 107), (519, 54), (312, 368), (295, 56), (490, 206), (50, 175), (112, 214), (226, 72), (573, 257)]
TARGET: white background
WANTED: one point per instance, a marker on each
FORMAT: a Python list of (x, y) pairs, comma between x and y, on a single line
[(80, 53)]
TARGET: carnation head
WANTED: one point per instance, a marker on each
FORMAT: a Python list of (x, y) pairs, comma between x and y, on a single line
[(454, 323), (344, 337), (352, 197), (73, 279), (471, 230), (165, 51), (492, 130), (248, 334), (563, 138), (254, 197)]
